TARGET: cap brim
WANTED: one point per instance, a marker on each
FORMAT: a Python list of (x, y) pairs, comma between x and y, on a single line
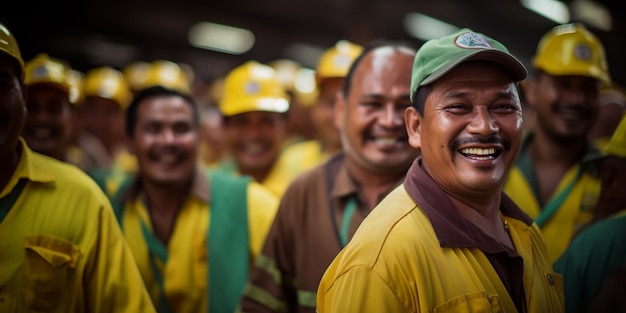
[(509, 62)]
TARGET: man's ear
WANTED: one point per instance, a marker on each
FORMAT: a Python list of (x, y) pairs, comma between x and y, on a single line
[(413, 121), (340, 110)]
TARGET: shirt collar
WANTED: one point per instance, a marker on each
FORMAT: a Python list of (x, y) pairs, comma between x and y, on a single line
[(343, 185), (28, 167), (450, 226)]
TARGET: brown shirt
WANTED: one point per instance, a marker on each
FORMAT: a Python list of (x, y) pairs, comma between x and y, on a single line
[(304, 239)]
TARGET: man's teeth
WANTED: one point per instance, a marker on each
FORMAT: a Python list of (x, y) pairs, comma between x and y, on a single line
[(253, 148), (386, 140), (478, 151), (168, 158), (570, 115)]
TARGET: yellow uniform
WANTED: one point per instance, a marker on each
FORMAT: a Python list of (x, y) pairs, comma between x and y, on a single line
[(61, 248), (570, 206), (179, 269), (396, 262)]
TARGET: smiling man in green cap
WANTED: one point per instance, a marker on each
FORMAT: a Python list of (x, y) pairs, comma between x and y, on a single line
[(448, 239)]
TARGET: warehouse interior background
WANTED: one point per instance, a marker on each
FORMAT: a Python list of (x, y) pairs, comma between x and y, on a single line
[(88, 34)]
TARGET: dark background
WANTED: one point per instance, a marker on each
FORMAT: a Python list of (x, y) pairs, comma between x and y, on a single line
[(116, 32)]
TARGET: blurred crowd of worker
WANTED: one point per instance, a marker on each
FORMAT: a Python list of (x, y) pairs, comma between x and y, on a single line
[(252, 185)]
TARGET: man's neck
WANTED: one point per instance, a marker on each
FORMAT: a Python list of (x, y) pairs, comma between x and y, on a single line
[(372, 184), (163, 203), (484, 212), (546, 150), (164, 198), (259, 174)]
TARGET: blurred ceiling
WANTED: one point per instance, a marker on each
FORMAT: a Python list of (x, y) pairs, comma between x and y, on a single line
[(114, 32)]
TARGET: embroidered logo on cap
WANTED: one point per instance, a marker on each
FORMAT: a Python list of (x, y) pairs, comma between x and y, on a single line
[(582, 52), (252, 87), (472, 40), (40, 72), (341, 61)]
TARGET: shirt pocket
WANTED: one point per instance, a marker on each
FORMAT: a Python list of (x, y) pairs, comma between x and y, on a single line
[(48, 263), (471, 303)]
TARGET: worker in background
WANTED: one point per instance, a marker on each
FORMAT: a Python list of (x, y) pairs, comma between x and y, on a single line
[(193, 233), (52, 110), (555, 180), (61, 248), (254, 105), (331, 71), (102, 114), (159, 73), (599, 249), (322, 208)]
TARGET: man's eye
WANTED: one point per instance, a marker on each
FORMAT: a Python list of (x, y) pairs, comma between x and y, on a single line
[(370, 104), (505, 108), (456, 108), (152, 129)]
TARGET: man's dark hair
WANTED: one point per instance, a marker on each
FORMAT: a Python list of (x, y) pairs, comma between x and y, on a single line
[(396, 45), (419, 99), (152, 92)]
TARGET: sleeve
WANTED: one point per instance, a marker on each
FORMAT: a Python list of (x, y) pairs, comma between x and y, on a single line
[(270, 288), (113, 281), (359, 289)]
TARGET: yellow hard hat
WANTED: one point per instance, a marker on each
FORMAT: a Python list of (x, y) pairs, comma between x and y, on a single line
[(109, 83), (76, 79), (8, 45), (169, 75), (253, 87), (136, 74), (45, 70), (617, 144), (570, 49), (336, 61)]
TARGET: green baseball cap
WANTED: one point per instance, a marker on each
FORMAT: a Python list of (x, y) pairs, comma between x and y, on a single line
[(437, 57)]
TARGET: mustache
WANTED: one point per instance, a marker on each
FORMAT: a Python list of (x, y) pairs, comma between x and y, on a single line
[(492, 139)]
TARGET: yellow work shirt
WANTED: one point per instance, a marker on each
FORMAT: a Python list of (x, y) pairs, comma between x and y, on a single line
[(61, 249), (575, 211), (185, 271), (394, 263), (576, 208)]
